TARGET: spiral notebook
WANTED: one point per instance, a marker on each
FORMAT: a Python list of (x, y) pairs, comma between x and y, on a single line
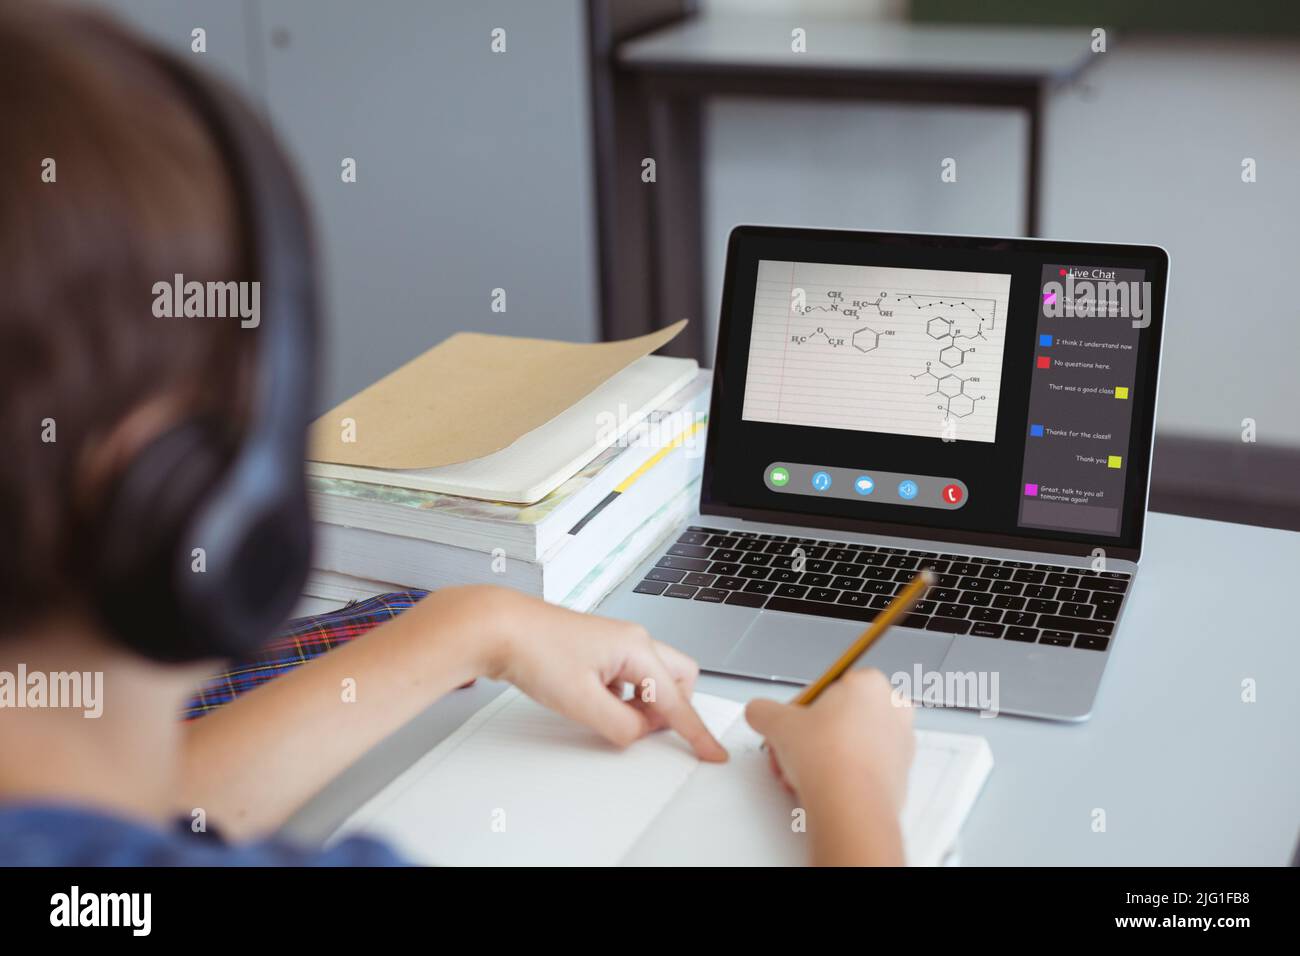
[(520, 785)]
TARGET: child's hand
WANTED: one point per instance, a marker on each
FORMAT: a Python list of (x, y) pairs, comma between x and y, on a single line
[(846, 757), (577, 665)]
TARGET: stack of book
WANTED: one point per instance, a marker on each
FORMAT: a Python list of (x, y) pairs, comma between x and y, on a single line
[(563, 512)]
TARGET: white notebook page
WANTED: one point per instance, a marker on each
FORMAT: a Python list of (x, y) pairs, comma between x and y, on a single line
[(519, 785)]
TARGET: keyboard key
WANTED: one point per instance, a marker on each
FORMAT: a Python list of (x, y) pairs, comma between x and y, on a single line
[(1005, 587), (819, 567), (856, 598), (689, 551), (746, 599), (680, 591), (918, 621), (1018, 618), (880, 587), (934, 565), (846, 584), (902, 577), (1105, 584), (892, 550), (1076, 610), (693, 537), (822, 594), (1099, 628), (1105, 613), (791, 590), (1116, 575), (846, 612), (721, 541), (840, 554), (682, 564), (1043, 607), (964, 569), (871, 558), (1026, 634), (1009, 602), (948, 625), (779, 548), (1000, 573), (901, 561), (979, 629), (724, 567), (760, 587), (921, 554), (1072, 594), (782, 575), (1056, 638), (983, 560), (881, 601), (976, 598), (1062, 580), (756, 558), (1105, 600), (729, 584), (985, 614), (973, 584), (1016, 564), (751, 573), (1091, 643), (879, 574), (712, 595), (815, 580), (650, 587), (847, 570), (947, 580), (665, 575), (944, 594), (1029, 577), (924, 607), (1039, 591), (1049, 567), (730, 555), (696, 579), (750, 544), (951, 610)]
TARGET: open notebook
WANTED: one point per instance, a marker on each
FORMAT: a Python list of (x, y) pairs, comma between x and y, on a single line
[(519, 785)]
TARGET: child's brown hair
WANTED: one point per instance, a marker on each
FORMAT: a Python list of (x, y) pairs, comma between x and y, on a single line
[(108, 184)]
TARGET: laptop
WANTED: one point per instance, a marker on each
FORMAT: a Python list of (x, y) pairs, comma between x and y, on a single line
[(885, 403)]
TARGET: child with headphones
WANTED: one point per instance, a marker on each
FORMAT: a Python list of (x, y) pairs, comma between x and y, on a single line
[(153, 516)]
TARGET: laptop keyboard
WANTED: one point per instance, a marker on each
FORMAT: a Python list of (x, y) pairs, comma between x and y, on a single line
[(982, 597)]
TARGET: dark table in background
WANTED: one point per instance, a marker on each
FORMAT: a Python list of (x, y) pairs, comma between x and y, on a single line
[(663, 77)]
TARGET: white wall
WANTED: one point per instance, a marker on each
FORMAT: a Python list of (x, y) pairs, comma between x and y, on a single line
[(1147, 149)]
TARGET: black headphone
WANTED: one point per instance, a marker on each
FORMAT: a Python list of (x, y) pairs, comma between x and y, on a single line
[(205, 550)]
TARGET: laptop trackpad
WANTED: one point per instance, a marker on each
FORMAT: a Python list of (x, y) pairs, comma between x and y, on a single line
[(798, 647)]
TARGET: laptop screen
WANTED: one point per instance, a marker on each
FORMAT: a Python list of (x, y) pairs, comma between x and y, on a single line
[(968, 389)]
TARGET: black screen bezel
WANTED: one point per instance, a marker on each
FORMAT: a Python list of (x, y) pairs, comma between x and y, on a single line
[(1152, 258)]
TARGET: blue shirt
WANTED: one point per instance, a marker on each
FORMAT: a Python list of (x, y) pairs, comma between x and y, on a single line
[(50, 835)]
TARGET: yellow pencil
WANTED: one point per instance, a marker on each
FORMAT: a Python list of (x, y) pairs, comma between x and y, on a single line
[(901, 604)]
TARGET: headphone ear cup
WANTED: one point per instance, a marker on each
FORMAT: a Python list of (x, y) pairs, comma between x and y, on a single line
[(143, 542)]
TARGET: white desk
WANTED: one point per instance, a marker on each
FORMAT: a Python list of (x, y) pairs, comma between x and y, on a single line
[(1186, 772)]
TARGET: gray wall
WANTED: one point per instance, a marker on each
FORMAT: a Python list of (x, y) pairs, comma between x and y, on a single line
[(473, 167)]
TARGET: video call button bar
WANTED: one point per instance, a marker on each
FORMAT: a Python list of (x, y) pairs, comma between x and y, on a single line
[(851, 484)]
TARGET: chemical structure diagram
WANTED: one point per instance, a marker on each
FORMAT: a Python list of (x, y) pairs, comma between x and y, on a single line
[(946, 332), (865, 339)]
